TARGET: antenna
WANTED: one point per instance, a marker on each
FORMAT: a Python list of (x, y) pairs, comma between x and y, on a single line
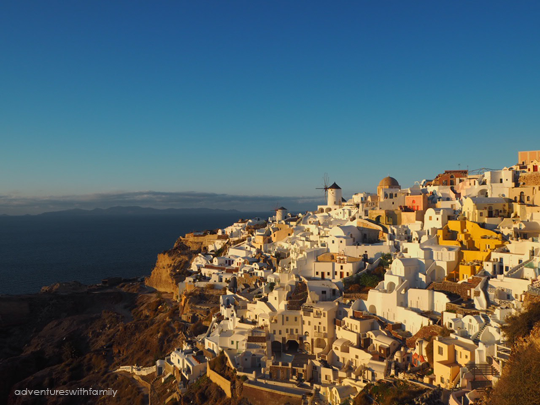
[(326, 180)]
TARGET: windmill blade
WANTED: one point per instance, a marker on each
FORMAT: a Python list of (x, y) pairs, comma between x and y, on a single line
[(326, 181)]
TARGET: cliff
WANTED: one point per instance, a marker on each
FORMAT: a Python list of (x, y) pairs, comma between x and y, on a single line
[(68, 340), (171, 268)]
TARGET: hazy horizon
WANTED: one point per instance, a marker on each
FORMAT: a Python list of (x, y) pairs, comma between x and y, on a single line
[(22, 205)]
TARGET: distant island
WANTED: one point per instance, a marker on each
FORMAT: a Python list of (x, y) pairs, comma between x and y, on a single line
[(136, 210)]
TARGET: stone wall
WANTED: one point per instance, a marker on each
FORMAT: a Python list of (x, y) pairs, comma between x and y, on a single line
[(222, 382)]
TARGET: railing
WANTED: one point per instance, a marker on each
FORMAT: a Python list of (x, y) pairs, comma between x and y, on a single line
[(517, 268), (456, 379), (502, 352), (320, 335), (292, 336)]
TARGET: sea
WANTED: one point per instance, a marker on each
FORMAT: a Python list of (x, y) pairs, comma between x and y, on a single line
[(40, 250)]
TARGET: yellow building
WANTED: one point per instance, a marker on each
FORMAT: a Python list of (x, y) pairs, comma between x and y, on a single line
[(278, 233), (385, 217), (449, 355), (281, 231), (476, 245), (487, 209)]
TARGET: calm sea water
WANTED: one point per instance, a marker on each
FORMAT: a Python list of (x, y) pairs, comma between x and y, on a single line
[(41, 250)]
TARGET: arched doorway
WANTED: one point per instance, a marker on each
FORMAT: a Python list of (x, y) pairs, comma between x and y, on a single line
[(277, 348), (292, 346), (320, 343)]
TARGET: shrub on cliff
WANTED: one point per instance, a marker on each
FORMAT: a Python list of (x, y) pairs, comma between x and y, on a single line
[(520, 381), (519, 326)]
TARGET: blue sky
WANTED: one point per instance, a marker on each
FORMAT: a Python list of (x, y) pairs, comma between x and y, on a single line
[(260, 98)]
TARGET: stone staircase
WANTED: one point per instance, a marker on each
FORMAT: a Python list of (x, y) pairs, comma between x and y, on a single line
[(517, 268), (476, 337)]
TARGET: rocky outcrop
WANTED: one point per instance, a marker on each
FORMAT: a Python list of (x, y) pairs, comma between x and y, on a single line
[(171, 268), (64, 288)]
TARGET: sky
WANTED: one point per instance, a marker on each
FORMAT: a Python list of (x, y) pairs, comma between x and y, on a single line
[(103, 100)]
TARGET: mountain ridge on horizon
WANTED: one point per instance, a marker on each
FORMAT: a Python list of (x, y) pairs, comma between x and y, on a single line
[(135, 210)]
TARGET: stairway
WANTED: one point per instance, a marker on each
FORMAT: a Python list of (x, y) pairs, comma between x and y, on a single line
[(476, 337)]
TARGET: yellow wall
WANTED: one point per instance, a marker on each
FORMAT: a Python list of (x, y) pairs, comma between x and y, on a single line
[(444, 364), (385, 217), (283, 232), (476, 245)]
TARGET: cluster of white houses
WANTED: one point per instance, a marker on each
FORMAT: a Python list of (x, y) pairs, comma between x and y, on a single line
[(465, 255)]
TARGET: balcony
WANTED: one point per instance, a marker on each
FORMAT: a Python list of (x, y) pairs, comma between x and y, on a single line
[(292, 336), (323, 335)]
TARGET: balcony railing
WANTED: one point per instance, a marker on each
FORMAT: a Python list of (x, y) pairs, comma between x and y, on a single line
[(292, 336)]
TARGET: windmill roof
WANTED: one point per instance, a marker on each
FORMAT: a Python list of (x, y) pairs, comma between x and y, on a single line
[(334, 186), (281, 209)]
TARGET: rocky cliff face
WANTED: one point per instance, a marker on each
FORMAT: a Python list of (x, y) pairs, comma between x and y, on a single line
[(77, 339), (171, 268)]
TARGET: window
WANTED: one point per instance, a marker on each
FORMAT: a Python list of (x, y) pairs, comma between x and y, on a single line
[(441, 350), (280, 331), (295, 319)]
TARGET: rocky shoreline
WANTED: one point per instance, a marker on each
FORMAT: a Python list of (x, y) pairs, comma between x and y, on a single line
[(72, 336)]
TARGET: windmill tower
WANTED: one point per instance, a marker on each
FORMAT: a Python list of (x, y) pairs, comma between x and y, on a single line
[(334, 195), (281, 213)]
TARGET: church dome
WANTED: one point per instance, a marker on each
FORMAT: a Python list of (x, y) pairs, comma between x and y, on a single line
[(389, 182)]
